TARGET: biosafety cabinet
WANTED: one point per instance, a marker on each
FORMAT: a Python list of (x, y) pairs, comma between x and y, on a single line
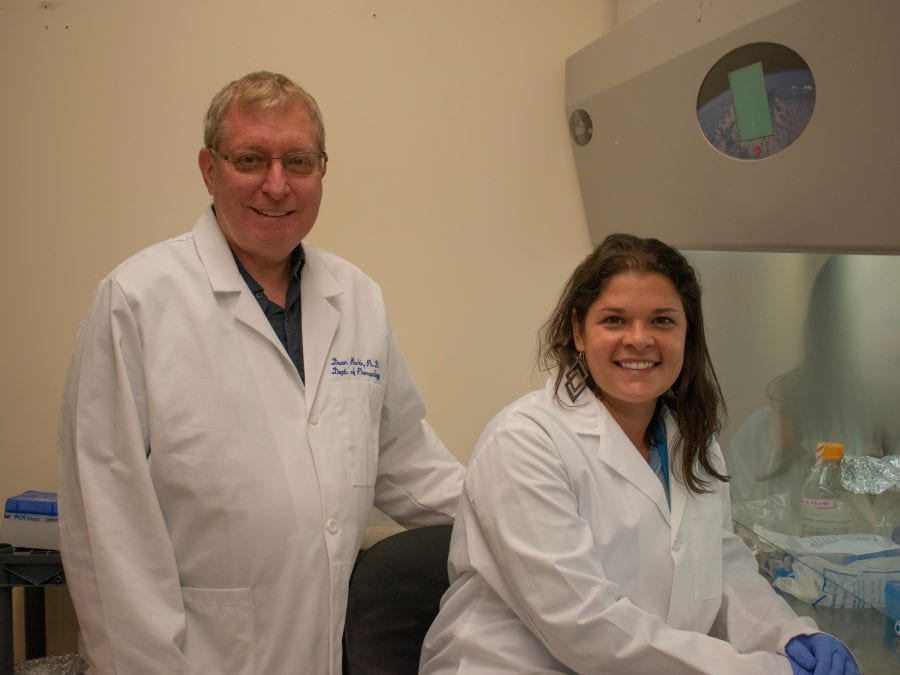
[(761, 138), (659, 146)]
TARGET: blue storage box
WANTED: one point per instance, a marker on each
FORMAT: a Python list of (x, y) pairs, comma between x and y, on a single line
[(31, 520)]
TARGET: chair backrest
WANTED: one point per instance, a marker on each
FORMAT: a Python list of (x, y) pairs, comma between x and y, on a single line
[(395, 591)]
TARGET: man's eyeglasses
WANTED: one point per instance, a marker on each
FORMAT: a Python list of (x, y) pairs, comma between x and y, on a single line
[(299, 164)]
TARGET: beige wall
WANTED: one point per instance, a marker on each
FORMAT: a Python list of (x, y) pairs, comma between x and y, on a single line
[(625, 9), (451, 181)]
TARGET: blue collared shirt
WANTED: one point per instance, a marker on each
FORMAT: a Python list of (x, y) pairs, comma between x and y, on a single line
[(285, 321)]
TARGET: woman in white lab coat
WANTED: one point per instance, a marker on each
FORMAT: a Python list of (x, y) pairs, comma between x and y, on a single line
[(594, 529)]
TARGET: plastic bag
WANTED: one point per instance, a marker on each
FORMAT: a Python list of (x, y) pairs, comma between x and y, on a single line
[(845, 571)]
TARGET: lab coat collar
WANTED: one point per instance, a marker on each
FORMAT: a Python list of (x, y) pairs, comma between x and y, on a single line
[(678, 492), (228, 284), (216, 256), (589, 417), (321, 316), (583, 416)]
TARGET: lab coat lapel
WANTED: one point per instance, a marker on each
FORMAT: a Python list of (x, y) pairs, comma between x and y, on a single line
[(228, 284), (591, 418), (677, 491), (320, 319), (625, 459)]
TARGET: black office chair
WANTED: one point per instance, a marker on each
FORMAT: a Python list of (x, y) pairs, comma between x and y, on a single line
[(395, 590)]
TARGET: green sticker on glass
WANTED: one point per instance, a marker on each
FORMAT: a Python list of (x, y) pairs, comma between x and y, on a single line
[(751, 105)]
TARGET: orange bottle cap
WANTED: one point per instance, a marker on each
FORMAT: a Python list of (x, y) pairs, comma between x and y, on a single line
[(830, 451)]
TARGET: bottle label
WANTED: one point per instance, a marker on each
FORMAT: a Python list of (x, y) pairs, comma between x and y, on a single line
[(825, 516), (818, 503)]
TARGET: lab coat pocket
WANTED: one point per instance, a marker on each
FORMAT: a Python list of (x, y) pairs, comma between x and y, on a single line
[(706, 555), (358, 407), (219, 630)]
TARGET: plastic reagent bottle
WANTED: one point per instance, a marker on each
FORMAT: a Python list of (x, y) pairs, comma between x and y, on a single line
[(825, 507)]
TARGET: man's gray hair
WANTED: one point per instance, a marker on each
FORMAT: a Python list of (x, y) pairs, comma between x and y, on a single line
[(261, 89)]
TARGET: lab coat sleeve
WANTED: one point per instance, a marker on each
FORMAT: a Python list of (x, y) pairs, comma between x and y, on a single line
[(418, 480), (118, 559), (527, 539), (753, 616)]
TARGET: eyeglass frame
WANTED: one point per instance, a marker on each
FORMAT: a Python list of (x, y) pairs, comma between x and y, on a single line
[(322, 155)]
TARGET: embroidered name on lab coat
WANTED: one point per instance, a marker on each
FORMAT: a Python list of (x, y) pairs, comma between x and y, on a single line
[(356, 367)]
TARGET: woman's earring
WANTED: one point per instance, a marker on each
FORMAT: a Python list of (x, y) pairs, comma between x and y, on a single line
[(577, 377)]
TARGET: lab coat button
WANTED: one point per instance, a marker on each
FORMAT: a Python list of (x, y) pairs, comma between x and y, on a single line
[(676, 545), (333, 527), (313, 420)]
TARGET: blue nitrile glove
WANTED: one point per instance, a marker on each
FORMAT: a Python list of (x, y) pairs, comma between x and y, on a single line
[(797, 669), (820, 654)]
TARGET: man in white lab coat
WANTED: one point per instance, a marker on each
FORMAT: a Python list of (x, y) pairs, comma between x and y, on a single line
[(235, 405)]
